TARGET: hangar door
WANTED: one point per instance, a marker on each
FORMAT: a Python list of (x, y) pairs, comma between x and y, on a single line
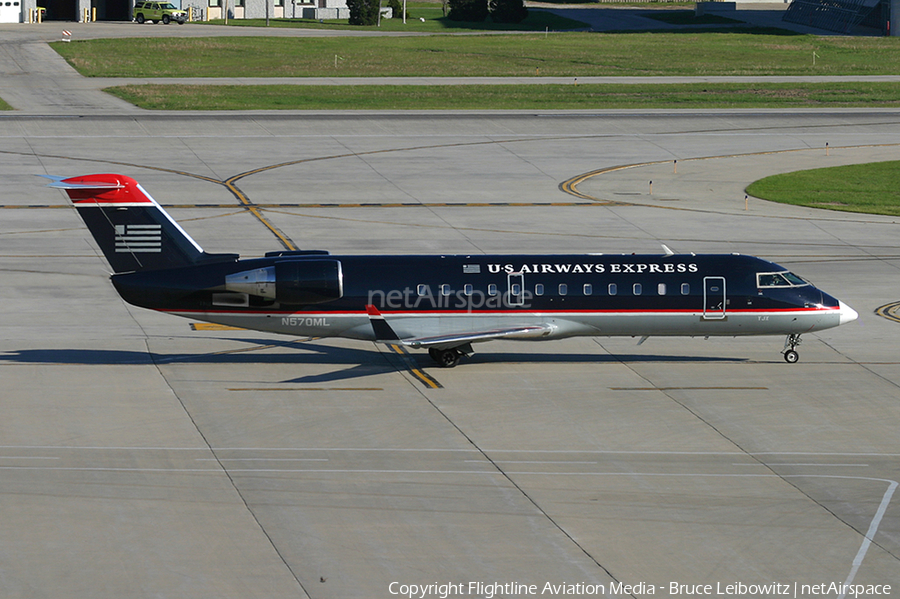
[(11, 11), (67, 10), (113, 10)]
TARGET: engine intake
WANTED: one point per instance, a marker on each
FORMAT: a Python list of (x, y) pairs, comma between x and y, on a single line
[(291, 281)]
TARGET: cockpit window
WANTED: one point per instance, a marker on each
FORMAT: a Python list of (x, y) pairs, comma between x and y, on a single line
[(794, 279), (779, 279)]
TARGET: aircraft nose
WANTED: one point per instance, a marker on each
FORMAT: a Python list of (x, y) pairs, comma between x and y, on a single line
[(847, 313)]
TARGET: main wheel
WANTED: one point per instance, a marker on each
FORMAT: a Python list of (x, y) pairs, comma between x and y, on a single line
[(791, 356), (447, 358)]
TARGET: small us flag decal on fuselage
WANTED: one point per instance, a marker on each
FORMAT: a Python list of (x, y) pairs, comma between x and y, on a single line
[(139, 239)]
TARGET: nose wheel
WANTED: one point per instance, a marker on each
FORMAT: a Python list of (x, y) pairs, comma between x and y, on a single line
[(790, 352)]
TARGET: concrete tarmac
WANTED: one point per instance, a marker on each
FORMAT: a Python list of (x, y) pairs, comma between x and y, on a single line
[(142, 458), (145, 457)]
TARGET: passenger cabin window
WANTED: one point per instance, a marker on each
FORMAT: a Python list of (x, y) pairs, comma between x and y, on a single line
[(492, 289), (685, 289), (588, 289), (563, 289), (661, 289), (445, 289), (779, 279), (468, 289), (637, 289), (613, 289), (539, 289), (422, 290)]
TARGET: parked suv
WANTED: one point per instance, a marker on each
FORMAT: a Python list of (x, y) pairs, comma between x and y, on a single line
[(158, 11)]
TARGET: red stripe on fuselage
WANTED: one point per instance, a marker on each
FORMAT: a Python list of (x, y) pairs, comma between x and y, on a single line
[(489, 312)]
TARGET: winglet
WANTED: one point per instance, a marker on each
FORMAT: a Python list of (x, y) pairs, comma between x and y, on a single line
[(383, 331)]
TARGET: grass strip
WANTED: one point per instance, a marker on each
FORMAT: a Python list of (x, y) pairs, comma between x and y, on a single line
[(420, 19), (507, 97), (872, 188), (4, 105), (521, 55)]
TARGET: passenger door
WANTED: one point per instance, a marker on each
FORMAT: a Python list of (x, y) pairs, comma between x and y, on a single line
[(714, 298)]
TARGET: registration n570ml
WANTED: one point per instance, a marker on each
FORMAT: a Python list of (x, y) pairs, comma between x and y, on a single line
[(305, 321)]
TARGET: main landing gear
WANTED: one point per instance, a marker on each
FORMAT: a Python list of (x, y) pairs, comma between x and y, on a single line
[(446, 358), (789, 352)]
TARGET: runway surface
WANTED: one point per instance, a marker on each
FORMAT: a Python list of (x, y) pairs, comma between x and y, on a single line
[(144, 457)]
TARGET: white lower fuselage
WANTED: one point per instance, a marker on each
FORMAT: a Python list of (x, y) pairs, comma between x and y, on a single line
[(565, 324)]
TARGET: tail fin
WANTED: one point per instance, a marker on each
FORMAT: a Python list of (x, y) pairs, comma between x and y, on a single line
[(132, 230)]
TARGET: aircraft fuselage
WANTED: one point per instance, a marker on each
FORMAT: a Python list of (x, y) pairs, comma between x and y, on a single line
[(604, 295)]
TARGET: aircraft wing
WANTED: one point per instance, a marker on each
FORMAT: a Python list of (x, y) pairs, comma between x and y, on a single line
[(384, 333), (457, 339)]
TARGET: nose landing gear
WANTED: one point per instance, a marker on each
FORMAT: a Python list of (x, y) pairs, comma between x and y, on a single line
[(789, 352)]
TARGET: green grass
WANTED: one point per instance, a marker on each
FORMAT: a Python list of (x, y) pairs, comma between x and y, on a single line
[(557, 54), (869, 188), (434, 22), (507, 97), (4, 105)]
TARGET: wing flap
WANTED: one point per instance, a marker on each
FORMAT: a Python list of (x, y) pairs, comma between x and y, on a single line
[(456, 339), (386, 334)]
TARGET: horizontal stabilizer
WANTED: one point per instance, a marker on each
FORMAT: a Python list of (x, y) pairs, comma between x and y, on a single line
[(64, 183)]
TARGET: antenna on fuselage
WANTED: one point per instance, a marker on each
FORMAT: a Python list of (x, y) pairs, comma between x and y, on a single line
[(667, 250)]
